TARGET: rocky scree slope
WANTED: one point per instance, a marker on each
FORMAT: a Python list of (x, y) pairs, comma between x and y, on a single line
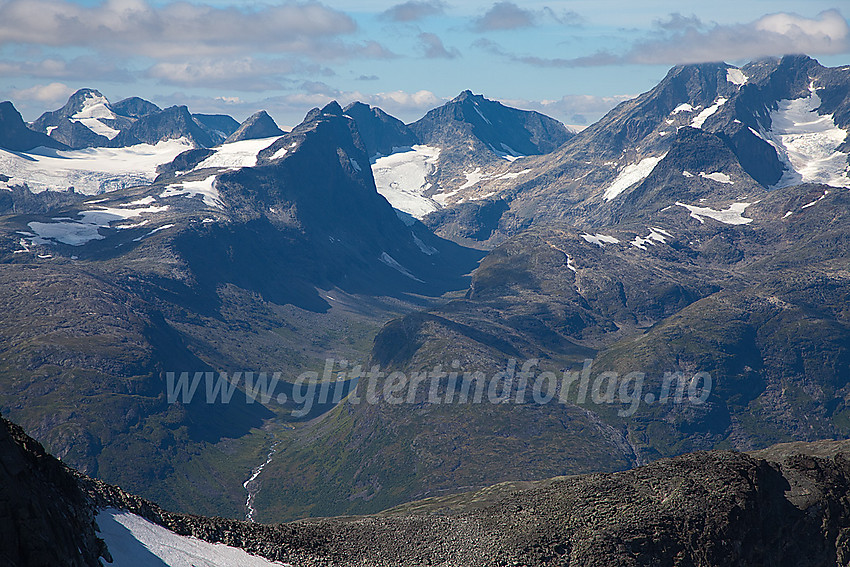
[(785, 505)]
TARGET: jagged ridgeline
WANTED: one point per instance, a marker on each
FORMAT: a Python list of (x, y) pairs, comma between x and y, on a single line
[(696, 237)]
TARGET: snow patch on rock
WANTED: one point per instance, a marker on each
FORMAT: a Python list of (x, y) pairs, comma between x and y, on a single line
[(631, 175)]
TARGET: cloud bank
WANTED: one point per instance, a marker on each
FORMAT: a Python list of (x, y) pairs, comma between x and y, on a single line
[(681, 40)]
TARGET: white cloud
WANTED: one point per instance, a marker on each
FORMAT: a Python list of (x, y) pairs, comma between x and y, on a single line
[(506, 15), (576, 110), (181, 28), (434, 48), (414, 10), (771, 35), (52, 68), (688, 40), (237, 73), (52, 93)]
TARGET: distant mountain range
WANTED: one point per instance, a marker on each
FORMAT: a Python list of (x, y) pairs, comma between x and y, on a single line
[(698, 229)]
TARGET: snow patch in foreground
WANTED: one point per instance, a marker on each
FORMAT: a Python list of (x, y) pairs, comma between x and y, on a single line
[(732, 215), (401, 178), (237, 154), (631, 175), (136, 542), (807, 143)]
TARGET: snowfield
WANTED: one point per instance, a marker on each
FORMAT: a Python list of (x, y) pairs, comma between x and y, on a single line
[(136, 542), (600, 239), (95, 108), (732, 215), (655, 235), (631, 175), (717, 176), (700, 118), (808, 143), (736, 76), (401, 178), (78, 232), (237, 154), (89, 171), (204, 187)]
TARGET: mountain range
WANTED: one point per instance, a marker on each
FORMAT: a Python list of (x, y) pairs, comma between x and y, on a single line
[(697, 231)]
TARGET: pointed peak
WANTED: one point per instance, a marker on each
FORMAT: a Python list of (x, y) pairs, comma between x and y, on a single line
[(86, 92), (83, 95), (356, 105), (466, 95), (258, 125), (332, 107)]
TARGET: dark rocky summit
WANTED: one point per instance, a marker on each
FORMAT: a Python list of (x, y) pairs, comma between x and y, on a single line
[(786, 505), (173, 122), (15, 135), (502, 129), (258, 125), (380, 132), (134, 107)]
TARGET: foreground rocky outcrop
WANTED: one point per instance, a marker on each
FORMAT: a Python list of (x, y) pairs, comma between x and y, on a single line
[(787, 505)]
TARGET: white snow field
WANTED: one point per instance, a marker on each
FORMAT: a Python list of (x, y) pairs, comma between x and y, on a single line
[(717, 176), (600, 239), (808, 143), (732, 215), (401, 178), (700, 118), (204, 187), (655, 235), (78, 232), (89, 171), (631, 175), (94, 108), (237, 154), (736, 76), (136, 542)]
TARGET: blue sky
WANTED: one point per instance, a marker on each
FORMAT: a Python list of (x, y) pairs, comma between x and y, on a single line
[(573, 60)]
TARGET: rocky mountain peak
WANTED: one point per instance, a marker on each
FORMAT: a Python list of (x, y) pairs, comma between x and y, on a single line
[(381, 133), (501, 129), (258, 125), (15, 134), (134, 107)]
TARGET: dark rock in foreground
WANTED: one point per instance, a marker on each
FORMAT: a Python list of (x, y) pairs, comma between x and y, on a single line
[(786, 505)]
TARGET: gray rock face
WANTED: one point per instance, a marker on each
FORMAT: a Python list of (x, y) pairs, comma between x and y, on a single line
[(258, 125), (45, 517), (221, 125), (134, 107), (17, 136), (502, 129), (785, 505), (380, 132), (171, 123)]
